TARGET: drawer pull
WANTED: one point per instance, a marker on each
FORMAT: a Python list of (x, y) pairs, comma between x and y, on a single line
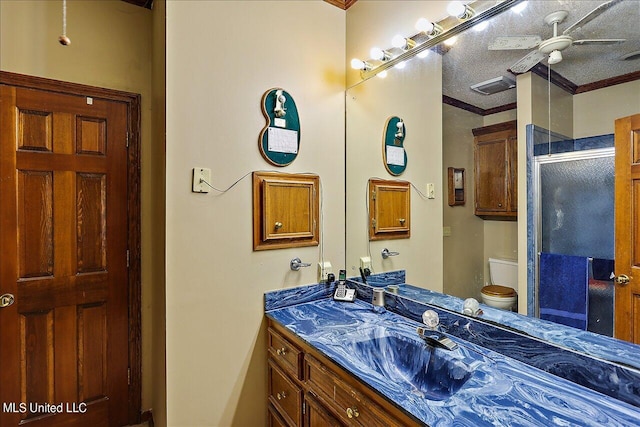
[(281, 351), (281, 395), (353, 412)]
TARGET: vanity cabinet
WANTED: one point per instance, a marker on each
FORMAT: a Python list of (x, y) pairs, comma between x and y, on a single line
[(496, 171), (307, 389)]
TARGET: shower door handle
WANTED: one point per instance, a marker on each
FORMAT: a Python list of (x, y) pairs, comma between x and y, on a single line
[(622, 279)]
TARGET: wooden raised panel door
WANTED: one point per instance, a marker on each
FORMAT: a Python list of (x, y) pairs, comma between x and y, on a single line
[(317, 415), (627, 228), (490, 175), (63, 240)]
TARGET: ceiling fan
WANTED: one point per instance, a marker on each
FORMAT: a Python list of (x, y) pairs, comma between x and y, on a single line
[(553, 46)]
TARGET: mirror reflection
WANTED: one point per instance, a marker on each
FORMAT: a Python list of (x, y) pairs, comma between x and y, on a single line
[(563, 111)]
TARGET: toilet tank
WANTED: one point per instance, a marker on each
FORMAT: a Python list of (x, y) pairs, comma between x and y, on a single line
[(503, 272)]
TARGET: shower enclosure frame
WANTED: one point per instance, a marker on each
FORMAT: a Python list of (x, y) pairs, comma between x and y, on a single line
[(537, 163)]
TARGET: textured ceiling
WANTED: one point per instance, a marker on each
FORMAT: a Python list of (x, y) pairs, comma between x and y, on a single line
[(469, 61)]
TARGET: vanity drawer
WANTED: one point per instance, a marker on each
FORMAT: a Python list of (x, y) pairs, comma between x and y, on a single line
[(351, 406), (286, 354), (284, 395), (275, 420)]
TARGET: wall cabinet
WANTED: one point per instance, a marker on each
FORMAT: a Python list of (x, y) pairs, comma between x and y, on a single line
[(285, 210), (306, 389), (496, 171), (389, 209)]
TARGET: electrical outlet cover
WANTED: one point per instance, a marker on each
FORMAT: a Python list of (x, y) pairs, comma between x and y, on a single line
[(324, 269), (365, 262)]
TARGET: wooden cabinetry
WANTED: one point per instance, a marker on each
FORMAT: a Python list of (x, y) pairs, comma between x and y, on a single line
[(285, 210), (307, 389), (389, 209), (496, 171)]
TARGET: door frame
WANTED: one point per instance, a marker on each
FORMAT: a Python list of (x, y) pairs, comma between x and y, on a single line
[(132, 100)]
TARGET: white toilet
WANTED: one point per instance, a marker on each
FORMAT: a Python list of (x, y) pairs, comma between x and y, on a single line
[(501, 293)]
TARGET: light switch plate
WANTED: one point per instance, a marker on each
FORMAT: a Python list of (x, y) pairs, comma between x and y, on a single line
[(446, 231), (431, 191), (324, 269), (200, 175)]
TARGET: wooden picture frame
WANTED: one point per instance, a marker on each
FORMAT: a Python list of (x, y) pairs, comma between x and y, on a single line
[(456, 186)]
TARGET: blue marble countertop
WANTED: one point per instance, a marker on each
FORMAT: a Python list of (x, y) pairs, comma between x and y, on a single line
[(585, 342), (469, 386)]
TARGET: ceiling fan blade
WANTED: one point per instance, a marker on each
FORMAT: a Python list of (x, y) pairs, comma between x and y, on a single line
[(526, 63), (591, 15), (598, 41), (515, 42)]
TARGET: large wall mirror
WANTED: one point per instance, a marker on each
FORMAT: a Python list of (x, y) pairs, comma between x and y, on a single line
[(586, 90)]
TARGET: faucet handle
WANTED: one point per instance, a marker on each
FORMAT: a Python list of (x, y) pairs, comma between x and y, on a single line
[(296, 263), (431, 319)]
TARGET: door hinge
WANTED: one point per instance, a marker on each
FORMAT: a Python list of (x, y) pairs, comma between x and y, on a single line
[(373, 223), (304, 408), (373, 195), (127, 139), (128, 376), (128, 257)]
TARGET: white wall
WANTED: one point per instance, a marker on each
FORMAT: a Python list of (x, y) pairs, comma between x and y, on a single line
[(111, 47), (221, 58)]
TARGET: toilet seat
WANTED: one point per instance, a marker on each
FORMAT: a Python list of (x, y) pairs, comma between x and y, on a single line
[(499, 291)]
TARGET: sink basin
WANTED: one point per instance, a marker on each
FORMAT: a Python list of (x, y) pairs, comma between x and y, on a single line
[(435, 374)]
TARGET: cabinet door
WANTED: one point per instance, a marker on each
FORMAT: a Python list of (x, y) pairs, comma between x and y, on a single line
[(389, 209), (490, 174), (285, 210), (317, 415)]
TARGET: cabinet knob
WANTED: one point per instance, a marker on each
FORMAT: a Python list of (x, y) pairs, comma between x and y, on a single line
[(281, 351), (499, 205), (281, 395), (278, 225), (353, 412), (402, 221)]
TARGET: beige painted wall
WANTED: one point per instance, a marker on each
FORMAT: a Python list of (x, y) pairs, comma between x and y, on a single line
[(221, 58), (374, 23), (464, 248), (369, 105), (157, 370), (110, 47), (561, 107), (595, 112)]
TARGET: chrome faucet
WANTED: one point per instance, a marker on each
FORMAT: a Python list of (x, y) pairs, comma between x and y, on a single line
[(430, 332), (436, 339)]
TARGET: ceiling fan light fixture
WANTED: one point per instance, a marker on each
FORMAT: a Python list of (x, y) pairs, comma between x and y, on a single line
[(555, 57)]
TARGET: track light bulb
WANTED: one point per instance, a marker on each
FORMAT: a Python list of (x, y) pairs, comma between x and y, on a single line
[(424, 25), (379, 54), (358, 64), (459, 10)]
